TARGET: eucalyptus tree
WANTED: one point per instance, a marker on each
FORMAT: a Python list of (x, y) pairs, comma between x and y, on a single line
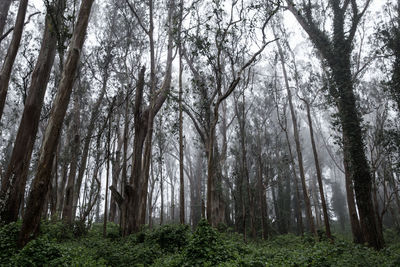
[(134, 201), (12, 51), (309, 215), (336, 49), (14, 181), (31, 220), (217, 39)]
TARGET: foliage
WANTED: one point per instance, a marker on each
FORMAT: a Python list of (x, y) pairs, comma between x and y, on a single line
[(170, 238), (61, 231), (8, 241), (175, 245), (37, 252), (206, 248)]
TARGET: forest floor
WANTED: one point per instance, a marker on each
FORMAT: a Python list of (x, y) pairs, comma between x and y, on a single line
[(177, 245)]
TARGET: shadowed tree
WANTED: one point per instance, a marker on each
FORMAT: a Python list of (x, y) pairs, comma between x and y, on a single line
[(14, 180), (336, 49), (31, 220)]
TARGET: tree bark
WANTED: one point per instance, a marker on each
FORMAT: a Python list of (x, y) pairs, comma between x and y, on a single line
[(4, 7), (354, 222), (68, 215), (319, 173), (14, 181), (31, 221), (108, 149), (307, 202), (12, 51), (336, 50), (181, 180)]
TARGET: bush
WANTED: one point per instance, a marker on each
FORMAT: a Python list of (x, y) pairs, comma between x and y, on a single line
[(206, 248), (57, 231), (38, 252), (8, 242), (170, 238)]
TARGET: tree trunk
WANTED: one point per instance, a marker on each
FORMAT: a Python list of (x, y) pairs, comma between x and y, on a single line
[(319, 173), (12, 53), (108, 173), (89, 133), (4, 7), (31, 219), (181, 181), (354, 222), (68, 215), (14, 180), (336, 50), (307, 202)]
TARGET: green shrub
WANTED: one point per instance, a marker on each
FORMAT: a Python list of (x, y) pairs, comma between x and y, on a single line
[(170, 238), (206, 248), (38, 252), (58, 230), (8, 242)]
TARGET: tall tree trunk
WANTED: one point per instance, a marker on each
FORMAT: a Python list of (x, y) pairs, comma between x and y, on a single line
[(307, 202), (14, 181), (31, 221), (354, 222), (4, 7), (12, 53), (336, 50), (108, 149), (181, 181), (90, 128), (69, 191), (319, 173)]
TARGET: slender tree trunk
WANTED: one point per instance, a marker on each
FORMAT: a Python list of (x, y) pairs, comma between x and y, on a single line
[(89, 133), (61, 187), (54, 188), (31, 221), (69, 191), (262, 198), (354, 222), (107, 174), (12, 53), (319, 173), (162, 196), (307, 202), (4, 7), (181, 181)]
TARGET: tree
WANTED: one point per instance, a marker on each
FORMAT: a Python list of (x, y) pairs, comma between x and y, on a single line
[(310, 218), (31, 220), (336, 49), (4, 7), (14, 180), (12, 53)]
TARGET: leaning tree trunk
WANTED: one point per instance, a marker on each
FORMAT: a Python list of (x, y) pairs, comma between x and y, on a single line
[(319, 172), (4, 7), (13, 183), (353, 145), (31, 221), (68, 215), (12, 51)]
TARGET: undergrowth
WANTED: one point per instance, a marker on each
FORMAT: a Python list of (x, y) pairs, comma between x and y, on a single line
[(176, 245)]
